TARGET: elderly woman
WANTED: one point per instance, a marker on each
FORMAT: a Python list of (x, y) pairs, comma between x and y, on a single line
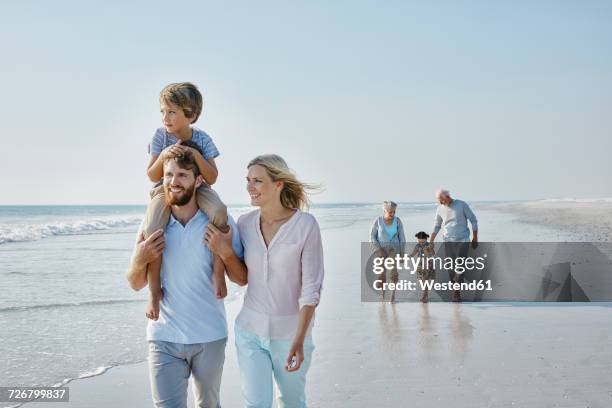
[(283, 255), (388, 239)]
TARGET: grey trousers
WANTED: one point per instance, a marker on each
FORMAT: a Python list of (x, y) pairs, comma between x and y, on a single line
[(456, 249), (171, 364)]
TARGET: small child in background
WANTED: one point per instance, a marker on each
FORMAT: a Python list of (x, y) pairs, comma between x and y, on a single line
[(180, 106), (424, 250)]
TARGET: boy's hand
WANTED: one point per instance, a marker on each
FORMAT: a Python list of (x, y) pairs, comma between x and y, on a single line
[(172, 151), (193, 151), (178, 149), (188, 148)]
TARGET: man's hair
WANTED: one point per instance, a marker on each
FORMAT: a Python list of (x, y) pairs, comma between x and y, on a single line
[(186, 160), (186, 96), (442, 192)]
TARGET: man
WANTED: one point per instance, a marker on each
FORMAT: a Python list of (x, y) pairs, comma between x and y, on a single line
[(191, 333), (454, 215)]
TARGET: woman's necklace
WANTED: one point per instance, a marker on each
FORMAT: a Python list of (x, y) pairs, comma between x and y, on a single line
[(272, 222), (270, 228)]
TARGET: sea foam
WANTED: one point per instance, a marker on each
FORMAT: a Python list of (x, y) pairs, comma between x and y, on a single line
[(34, 232)]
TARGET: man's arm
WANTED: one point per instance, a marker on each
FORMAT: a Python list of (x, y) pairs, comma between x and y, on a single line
[(437, 226), (469, 214), (146, 250)]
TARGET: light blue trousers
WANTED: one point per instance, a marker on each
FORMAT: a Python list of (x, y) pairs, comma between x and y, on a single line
[(260, 359)]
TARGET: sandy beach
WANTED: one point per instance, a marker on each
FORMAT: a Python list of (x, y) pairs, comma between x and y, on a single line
[(412, 355), (588, 220), (409, 354)]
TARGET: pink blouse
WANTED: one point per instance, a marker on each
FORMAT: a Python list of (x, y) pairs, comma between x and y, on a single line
[(282, 277)]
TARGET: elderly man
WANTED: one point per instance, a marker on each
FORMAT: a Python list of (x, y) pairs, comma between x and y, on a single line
[(190, 336), (454, 214)]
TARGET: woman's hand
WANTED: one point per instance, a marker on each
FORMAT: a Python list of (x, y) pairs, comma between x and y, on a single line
[(218, 242), (296, 356)]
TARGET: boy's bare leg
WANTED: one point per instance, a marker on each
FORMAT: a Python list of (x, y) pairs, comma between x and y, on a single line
[(219, 278), (209, 202), (155, 290), (156, 217), (425, 296), (394, 279)]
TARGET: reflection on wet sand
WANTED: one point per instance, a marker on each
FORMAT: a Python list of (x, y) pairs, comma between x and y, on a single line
[(415, 330), (428, 332), (461, 330), (393, 342)]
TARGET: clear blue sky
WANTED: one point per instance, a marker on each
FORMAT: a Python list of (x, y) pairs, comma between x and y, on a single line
[(375, 100)]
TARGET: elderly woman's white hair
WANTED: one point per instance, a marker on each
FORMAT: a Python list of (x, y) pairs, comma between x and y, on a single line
[(442, 192), (389, 205)]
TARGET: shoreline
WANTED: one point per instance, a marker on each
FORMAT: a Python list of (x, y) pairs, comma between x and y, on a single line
[(127, 384)]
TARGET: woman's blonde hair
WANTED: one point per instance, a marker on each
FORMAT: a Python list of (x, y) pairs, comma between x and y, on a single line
[(293, 194)]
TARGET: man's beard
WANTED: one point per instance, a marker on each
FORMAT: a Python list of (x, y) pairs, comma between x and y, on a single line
[(178, 200)]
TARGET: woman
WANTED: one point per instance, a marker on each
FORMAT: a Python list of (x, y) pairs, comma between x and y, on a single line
[(387, 237), (283, 254)]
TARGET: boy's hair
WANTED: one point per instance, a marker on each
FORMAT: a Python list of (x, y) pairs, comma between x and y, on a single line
[(186, 161), (421, 235), (186, 96)]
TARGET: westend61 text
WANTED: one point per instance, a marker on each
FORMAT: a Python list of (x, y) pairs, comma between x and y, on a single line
[(405, 262), (431, 285)]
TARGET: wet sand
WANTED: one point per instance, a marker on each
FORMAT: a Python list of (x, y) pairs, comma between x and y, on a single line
[(408, 354)]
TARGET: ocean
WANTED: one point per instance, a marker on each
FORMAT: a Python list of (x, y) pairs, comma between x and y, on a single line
[(66, 310)]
